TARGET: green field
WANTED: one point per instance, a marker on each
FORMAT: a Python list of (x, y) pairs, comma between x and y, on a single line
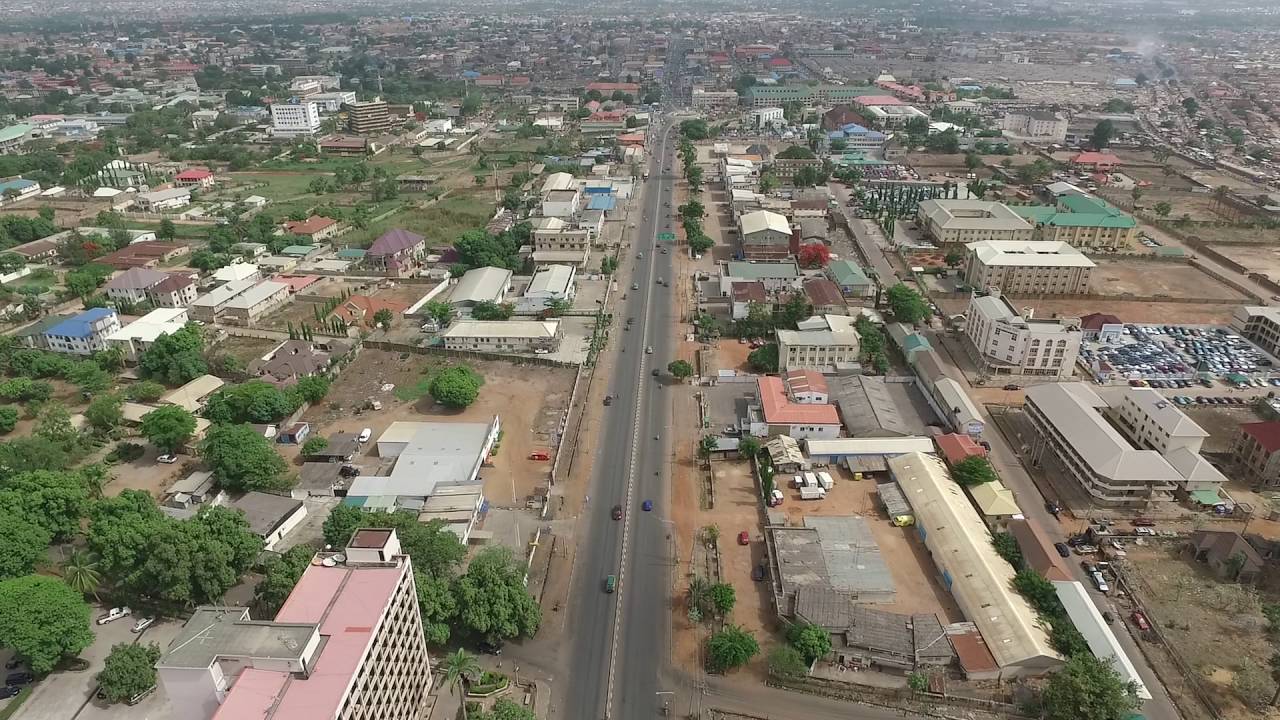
[(441, 223)]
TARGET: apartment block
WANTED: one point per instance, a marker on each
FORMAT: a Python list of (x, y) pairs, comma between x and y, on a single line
[(1256, 452), (1132, 450), (248, 307), (1027, 268), (824, 343), (765, 236), (1083, 222), (950, 222), (1003, 342), (82, 334), (348, 643), (368, 118), (711, 99), (1043, 126), (295, 119), (503, 336), (1260, 324)]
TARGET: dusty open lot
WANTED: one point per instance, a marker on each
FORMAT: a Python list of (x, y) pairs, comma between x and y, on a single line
[(530, 399), (1222, 422), (1131, 276), (1215, 627), (1233, 234), (1260, 258)]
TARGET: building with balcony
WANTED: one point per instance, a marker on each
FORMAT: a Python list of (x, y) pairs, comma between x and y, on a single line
[(368, 118), (1261, 325), (83, 334), (825, 343), (295, 119), (1082, 222), (1003, 342)]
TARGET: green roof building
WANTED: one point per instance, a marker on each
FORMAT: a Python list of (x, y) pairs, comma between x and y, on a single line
[(13, 137), (1082, 222), (852, 280)]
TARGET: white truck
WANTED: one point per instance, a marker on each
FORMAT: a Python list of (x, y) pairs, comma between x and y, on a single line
[(824, 480), (812, 493), (810, 480)]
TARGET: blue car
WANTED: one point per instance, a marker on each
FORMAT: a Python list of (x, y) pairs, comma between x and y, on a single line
[(647, 505)]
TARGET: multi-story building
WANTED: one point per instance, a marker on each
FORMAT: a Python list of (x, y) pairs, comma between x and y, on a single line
[(348, 643), (1261, 325), (823, 343), (134, 339), (1082, 222), (82, 334), (163, 200), (781, 413), (555, 241), (1044, 126), (13, 139), (765, 236), (396, 252), (163, 290), (503, 336), (950, 222), (768, 117), (708, 99), (1135, 450), (1003, 342), (859, 139), (1027, 268), (295, 119), (332, 102), (248, 307), (317, 227), (778, 95), (1256, 452), (324, 82), (368, 118)]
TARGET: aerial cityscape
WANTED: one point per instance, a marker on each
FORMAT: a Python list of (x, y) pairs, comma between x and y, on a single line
[(525, 361)]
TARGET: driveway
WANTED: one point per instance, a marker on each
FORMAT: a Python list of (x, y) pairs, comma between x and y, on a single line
[(67, 695)]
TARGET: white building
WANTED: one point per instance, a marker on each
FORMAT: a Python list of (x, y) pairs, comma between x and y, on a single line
[(979, 579), (293, 119), (347, 643), (1005, 343), (134, 339), (163, 200), (706, 99), (561, 203), (248, 307), (83, 334), (503, 336), (1039, 268), (967, 221), (550, 283), (486, 284), (1133, 450), (769, 117), (331, 102), (824, 343), (1044, 126), (237, 271)]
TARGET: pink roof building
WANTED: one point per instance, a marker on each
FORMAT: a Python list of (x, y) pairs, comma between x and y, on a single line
[(783, 416), (350, 632)]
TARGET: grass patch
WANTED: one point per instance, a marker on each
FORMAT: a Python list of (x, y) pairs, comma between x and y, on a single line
[(44, 278), (441, 223), (416, 391)]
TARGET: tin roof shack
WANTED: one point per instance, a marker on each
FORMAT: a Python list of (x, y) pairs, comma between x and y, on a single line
[(835, 553), (270, 517), (295, 434), (341, 447), (864, 637)]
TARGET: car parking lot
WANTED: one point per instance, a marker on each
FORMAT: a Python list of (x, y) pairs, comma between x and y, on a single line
[(1179, 356)]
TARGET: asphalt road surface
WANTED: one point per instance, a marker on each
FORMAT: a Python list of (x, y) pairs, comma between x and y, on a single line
[(620, 639)]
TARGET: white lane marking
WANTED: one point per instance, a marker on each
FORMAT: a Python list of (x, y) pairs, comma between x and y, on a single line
[(635, 443)]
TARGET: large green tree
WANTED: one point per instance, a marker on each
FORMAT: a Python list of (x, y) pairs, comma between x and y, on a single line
[(456, 387), (175, 358), (813, 641), (973, 470), (255, 401), (25, 543), (56, 500), (730, 648), (105, 412), (1087, 688), (42, 620), (764, 359), (907, 305), (168, 427), (129, 671), (492, 598), (242, 459)]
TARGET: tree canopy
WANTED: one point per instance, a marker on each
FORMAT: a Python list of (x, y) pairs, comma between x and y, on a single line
[(680, 369), (973, 470), (168, 427), (1087, 688), (730, 648), (242, 459), (43, 620), (812, 641), (907, 305), (492, 598), (255, 401), (175, 358), (764, 359), (282, 574), (456, 387), (128, 671)]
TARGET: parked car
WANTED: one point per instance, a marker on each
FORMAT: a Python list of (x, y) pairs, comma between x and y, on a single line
[(1086, 549), (167, 459), (1100, 582), (743, 538), (1062, 549), (1145, 531), (114, 614), (1108, 617), (143, 624), (1012, 386), (365, 434), (22, 677), (757, 573), (9, 691), (542, 455)]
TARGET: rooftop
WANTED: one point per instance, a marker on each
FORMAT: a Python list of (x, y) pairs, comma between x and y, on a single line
[(762, 270), (778, 409), (80, 326), (529, 329), (971, 215), (1027, 253), (432, 454), (836, 552), (754, 222)]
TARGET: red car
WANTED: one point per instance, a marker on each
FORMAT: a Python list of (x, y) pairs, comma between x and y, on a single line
[(1140, 620), (539, 455), (743, 539)]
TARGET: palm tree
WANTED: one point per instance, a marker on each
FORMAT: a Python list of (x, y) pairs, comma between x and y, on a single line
[(81, 573), (458, 669)]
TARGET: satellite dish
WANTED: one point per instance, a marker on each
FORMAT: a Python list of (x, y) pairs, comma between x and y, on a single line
[(339, 558), (328, 562)]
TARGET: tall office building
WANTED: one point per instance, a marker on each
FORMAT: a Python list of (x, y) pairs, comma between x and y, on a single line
[(292, 119), (346, 645), (368, 117)]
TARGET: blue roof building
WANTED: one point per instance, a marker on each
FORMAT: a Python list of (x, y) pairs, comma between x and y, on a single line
[(83, 334), (602, 202)]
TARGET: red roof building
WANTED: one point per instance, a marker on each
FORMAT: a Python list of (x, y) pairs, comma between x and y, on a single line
[(632, 140), (608, 88), (196, 177), (807, 386), (1097, 160), (1255, 451), (316, 227), (955, 447), (870, 100), (783, 416), (360, 309), (824, 295)]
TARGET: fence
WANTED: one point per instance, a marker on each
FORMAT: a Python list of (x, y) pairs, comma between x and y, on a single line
[(918, 703), (465, 354)]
